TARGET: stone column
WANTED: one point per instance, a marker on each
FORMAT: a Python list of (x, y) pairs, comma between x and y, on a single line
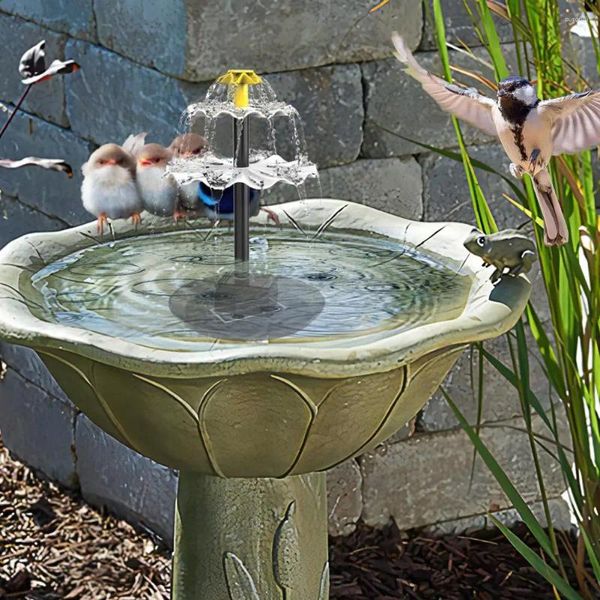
[(251, 539)]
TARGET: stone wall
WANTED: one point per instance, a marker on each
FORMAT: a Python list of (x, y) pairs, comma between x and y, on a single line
[(142, 62)]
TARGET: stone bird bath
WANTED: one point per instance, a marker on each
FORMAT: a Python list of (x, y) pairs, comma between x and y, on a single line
[(253, 378), (254, 426)]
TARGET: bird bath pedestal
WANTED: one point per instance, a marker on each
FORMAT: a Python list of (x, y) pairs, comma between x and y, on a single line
[(253, 425)]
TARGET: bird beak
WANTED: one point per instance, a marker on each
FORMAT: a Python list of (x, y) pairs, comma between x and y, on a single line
[(145, 162), (111, 161), (501, 93)]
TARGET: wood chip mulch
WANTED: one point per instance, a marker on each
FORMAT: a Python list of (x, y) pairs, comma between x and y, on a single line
[(54, 546), (388, 564)]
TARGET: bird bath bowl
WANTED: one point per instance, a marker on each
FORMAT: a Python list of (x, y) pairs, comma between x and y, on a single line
[(355, 318)]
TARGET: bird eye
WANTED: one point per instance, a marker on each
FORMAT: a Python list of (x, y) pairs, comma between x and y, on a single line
[(481, 241), (101, 161), (156, 160)]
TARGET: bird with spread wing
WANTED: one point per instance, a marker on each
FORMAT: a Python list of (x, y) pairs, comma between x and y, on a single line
[(530, 130)]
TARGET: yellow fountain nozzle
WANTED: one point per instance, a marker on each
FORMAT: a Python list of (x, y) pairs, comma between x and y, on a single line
[(240, 79)]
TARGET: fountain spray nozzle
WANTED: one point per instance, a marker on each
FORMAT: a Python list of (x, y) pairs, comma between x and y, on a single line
[(240, 79)]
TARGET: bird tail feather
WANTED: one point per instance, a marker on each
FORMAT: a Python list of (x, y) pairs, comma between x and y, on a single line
[(556, 232), (134, 143)]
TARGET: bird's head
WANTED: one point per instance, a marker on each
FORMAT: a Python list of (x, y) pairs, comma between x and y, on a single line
[(153, 155), (517, 89), (188, 145), (111, 156)]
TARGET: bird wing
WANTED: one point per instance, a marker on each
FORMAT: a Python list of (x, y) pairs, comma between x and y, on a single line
[(575, 121), (466, 104)]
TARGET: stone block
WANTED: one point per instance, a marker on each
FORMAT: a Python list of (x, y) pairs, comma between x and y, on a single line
[(112, 97), (446, 193), (200, 40), (500, 399), (425, 479), (16, 219), (74, 18), (161, 31), (460, 26), (393, 185), (46, 99), (560, 515), (344, 497), (127, 483), (397, 105), (29, 367), (50, 192), (329, 101), (38, 428)]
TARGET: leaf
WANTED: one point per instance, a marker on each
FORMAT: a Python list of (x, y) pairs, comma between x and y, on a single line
[(52, 164), (58, 67), (536, 562), (239, 581), (33, 62), (503, 480)]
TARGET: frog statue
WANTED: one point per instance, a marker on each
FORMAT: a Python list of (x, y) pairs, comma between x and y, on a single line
[(507, 249)]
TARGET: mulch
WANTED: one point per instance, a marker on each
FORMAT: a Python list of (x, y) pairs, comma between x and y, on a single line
[(388, 564), (54, 546)]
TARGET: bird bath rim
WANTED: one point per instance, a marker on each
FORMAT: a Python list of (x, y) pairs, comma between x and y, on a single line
[(489, 310)]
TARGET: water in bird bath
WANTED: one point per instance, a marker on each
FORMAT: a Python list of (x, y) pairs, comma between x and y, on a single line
[(180, 290)]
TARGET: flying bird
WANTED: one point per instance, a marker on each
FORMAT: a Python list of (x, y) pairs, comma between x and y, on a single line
[(109, 190), (159, 192), (530, 130)]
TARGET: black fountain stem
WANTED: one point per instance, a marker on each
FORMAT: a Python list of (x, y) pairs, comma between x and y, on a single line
[(241, 192)]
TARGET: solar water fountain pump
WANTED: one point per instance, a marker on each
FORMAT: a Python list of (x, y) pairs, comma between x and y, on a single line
[(240, 80)]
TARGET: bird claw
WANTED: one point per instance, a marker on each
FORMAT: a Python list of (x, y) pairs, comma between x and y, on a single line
[(102, 221), (136, 219), (272, 215), (516, 171), (179, 214)]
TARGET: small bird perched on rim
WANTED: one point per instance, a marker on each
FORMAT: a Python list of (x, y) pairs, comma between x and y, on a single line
[(530, 130), (159, 193), (188, 145), (109, 190)]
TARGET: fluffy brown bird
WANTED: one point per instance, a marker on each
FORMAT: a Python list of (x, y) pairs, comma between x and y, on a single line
[(109, 190), (159, 192), (189, 145)]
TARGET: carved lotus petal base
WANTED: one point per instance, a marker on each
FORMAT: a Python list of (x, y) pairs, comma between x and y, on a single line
[(264, 424)]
